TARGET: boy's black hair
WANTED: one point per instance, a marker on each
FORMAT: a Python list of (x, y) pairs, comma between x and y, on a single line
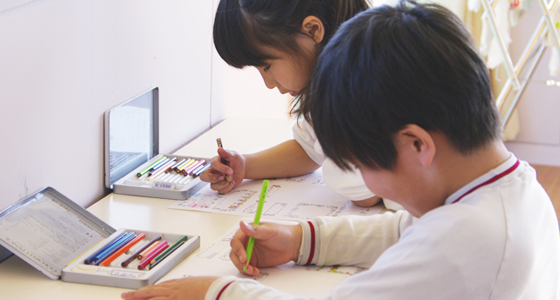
[(392, 66), (242, 27)]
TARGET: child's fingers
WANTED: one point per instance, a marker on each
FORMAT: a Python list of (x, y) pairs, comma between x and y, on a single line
[(210, 175), (259, 232), (218, 167), (240, 261), (223, 153), (238, 255), (222, 187)]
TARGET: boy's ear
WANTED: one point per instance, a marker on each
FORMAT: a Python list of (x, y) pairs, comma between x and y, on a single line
[(417, 142), (313, 27)]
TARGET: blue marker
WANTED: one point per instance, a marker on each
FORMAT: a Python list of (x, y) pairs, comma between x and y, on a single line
[(108, 247), (159, 164), (201, 170), (90, 259), (129, 237)]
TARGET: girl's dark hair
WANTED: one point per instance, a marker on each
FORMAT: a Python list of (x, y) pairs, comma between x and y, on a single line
[(242, 27), (393, 66)]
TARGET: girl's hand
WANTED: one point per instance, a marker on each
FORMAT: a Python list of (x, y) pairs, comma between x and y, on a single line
[(217, 174), (275, 244), (191, 288)]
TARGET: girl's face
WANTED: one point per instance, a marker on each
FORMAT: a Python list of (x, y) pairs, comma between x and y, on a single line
[(289, 73)]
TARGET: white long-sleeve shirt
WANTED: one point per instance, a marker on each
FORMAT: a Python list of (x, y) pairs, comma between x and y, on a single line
[(500, 240), (348, 184)]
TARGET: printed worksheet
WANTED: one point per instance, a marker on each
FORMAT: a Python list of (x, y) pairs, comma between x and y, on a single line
[(297, 198), (288, 278)]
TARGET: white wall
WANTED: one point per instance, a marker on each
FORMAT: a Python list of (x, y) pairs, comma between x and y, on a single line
[(63, 63), (242, 93), (539, 108)]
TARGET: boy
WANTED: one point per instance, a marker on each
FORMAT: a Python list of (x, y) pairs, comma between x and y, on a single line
[(406, 98)]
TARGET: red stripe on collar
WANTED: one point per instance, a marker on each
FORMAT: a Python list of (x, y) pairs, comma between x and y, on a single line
[(489, 181)]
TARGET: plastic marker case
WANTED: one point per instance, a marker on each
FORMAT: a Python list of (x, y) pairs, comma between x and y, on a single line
[(55, 235), (132, 144)]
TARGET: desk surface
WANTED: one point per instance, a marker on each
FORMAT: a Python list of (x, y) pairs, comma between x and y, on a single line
[(18, 280)]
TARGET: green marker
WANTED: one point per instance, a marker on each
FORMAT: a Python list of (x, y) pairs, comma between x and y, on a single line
[(146, 170), (169, 249), (256, 222)]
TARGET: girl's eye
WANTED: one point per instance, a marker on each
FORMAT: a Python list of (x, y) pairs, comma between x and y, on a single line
[(266, 68)]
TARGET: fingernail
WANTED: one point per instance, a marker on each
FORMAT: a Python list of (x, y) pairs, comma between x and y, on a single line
[(250, 226)]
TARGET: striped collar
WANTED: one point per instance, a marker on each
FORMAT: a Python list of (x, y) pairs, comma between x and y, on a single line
[(493, 175)]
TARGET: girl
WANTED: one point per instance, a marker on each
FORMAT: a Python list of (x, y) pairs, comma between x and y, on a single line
[(283, 39)]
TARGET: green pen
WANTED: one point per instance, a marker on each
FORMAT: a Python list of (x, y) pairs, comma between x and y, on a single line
[(256, 222), (169, 249), (146, 170)]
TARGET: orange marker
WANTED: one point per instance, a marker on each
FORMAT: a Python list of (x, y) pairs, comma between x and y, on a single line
[(145, 252), (122, 250), (155, 252), (125, 263)]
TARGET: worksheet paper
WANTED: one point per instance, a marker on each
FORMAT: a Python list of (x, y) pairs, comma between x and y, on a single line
[(298, 198), (303, 281), (287, 200)]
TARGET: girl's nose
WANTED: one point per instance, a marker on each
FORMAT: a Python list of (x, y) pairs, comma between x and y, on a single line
[(268, 79)]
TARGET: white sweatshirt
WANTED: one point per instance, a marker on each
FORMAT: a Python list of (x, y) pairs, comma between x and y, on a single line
[(500, 240), (348, 184)]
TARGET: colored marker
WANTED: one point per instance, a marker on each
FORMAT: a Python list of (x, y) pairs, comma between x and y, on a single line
[(111, 245), (182, 163), (156, 251), (122, 250), (125, 263), (197, 173), (146, 170), (182, 239), (148, 250), (219, 141), (178, 163), (167, 253), (197, 169), (186, 164), (159, 164), (251, 243), (90, 259), (127, 238), (191, 168), (163, 168)]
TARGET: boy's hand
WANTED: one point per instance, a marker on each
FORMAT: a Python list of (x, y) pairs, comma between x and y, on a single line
[(217, 172), (191, 288), (275, 244)]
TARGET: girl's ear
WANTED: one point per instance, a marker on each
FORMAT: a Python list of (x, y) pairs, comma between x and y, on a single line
[(418, 143), (313, 27)]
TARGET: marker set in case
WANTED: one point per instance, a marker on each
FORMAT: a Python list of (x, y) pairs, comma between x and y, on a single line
[(164, 176), (132, 146), (61, 239)]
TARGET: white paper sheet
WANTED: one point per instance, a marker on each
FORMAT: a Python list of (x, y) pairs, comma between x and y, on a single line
[(297, 198)]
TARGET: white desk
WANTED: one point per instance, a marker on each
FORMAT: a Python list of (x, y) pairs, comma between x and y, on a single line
[(18, 280)]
